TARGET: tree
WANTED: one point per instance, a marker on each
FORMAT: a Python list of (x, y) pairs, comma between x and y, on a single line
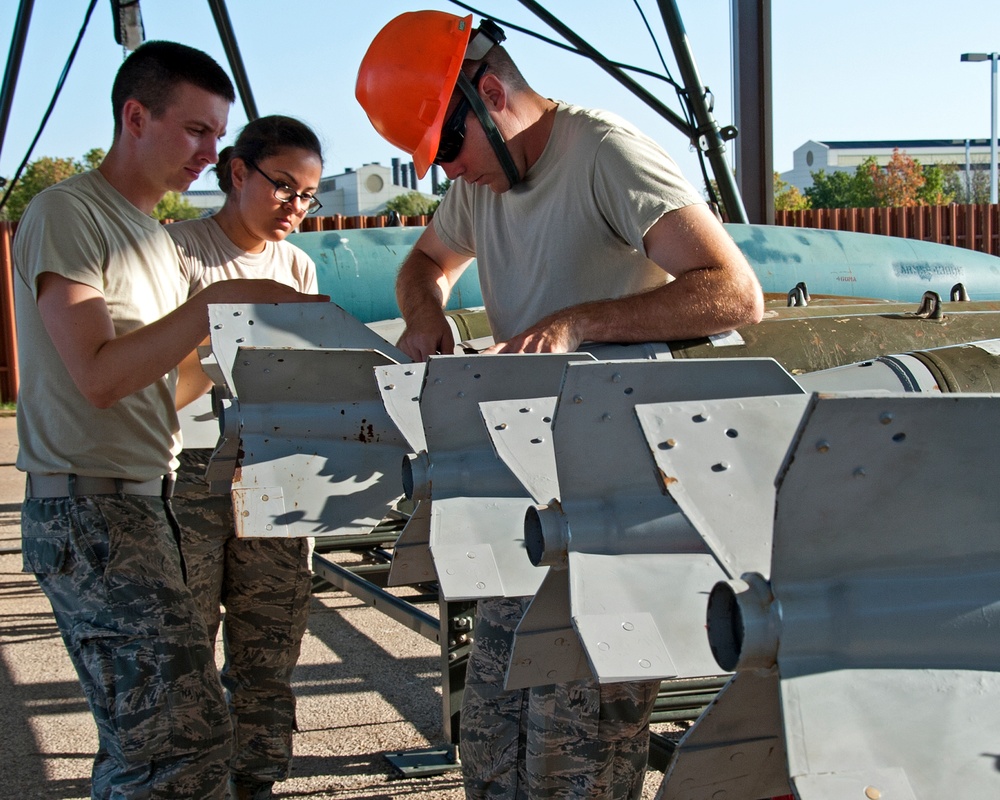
[(788, 197), (175, 207), (842, 189), (412, 204), (968, 187), (443, 187), (936, 191), (45, 172), (38, 175), (898, 184)]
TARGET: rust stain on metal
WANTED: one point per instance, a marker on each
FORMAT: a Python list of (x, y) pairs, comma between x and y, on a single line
[(240, 512), (667, 479)]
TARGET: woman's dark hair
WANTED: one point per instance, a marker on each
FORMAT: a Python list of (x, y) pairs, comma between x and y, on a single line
[(155, 69), (265, 137)]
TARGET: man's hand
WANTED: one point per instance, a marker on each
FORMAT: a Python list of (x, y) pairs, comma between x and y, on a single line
[(553, 334), (428, 340)]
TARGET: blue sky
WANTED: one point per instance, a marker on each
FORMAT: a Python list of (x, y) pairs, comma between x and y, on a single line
[(875, 69)]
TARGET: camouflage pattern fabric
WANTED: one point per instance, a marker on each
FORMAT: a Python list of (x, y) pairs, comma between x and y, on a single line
[(494, 723), (571, 740), (264, 585), (111, 569)]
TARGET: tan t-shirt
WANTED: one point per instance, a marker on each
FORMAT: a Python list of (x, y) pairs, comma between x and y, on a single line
[(572, 230), (85, 230), (208, 256)]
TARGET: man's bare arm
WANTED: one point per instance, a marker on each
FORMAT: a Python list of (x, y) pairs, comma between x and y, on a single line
[(714, 290), (424, 282), (106, 367), (192, 382)]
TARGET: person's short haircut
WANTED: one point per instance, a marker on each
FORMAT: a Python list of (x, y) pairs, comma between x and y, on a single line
[(263, 138), (154, 70)]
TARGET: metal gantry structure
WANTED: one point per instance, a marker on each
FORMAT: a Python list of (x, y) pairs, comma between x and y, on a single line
[(752, 68)]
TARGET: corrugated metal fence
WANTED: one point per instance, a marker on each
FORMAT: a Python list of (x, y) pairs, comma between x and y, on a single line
[(976, 227)]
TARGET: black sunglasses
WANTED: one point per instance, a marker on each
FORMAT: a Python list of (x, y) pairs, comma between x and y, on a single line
[(453, 130)]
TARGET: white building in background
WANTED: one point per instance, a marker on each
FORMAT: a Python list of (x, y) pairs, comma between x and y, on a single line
[(355, 192), (813, 156), (208, 201)]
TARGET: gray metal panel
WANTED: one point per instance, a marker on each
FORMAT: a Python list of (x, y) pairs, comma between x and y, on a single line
[(522, 438), (849, 729), (857, 458), (400, 386), (292, 325), (320, 455), (411, 555), (886, 567), (547, 649), (455, 385), (717, 460), (652, 622), (614, 504), (876, 783), (488, 559), (487, 517), (735, 748)]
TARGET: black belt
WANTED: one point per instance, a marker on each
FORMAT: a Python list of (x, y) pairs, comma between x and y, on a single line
[(41, 485)]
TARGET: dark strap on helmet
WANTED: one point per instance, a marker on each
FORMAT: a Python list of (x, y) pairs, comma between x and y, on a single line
[(492, 133)]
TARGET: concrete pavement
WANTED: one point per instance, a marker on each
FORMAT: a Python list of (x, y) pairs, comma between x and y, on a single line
[(366, 685)]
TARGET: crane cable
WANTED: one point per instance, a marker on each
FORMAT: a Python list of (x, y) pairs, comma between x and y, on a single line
[(52, 104)]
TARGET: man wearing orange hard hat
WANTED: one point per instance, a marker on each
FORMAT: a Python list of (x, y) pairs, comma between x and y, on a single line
[(583, 230)]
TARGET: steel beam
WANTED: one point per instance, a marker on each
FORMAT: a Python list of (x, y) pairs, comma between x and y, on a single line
[(18, 38), (225, 28), (754, 117)]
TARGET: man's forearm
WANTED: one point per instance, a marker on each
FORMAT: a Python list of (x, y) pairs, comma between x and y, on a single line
[(699, 303)]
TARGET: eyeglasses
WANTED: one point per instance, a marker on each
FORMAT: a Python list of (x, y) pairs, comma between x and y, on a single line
[(453, 130), (284, 193)]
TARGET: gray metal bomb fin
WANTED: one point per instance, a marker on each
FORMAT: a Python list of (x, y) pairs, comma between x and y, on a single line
[(735, 748), (621, 524), (882, 603), (400, 386), (521, 433), (411, 555), (547, 649), (717, 459), (319, 454), (477, 506), (290, 325)]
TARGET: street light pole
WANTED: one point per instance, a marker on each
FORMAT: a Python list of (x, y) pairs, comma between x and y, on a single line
[(992, 58)]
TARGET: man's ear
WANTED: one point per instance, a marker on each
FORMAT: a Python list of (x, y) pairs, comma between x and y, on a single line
[(493, 92), (135, 117)]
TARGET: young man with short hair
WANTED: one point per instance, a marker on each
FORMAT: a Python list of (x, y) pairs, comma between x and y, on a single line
[(102, 324)]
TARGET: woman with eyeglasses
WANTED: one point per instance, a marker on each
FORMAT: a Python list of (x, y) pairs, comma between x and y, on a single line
[(270, 177)]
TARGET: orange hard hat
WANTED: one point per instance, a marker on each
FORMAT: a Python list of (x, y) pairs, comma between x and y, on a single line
[(407, 77)]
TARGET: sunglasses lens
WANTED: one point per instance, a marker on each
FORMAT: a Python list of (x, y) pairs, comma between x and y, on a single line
[(448, 149), (452, 134)]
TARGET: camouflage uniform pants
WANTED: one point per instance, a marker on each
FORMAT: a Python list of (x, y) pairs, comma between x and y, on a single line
[(110, 567), (570, 740), (264, 585)]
